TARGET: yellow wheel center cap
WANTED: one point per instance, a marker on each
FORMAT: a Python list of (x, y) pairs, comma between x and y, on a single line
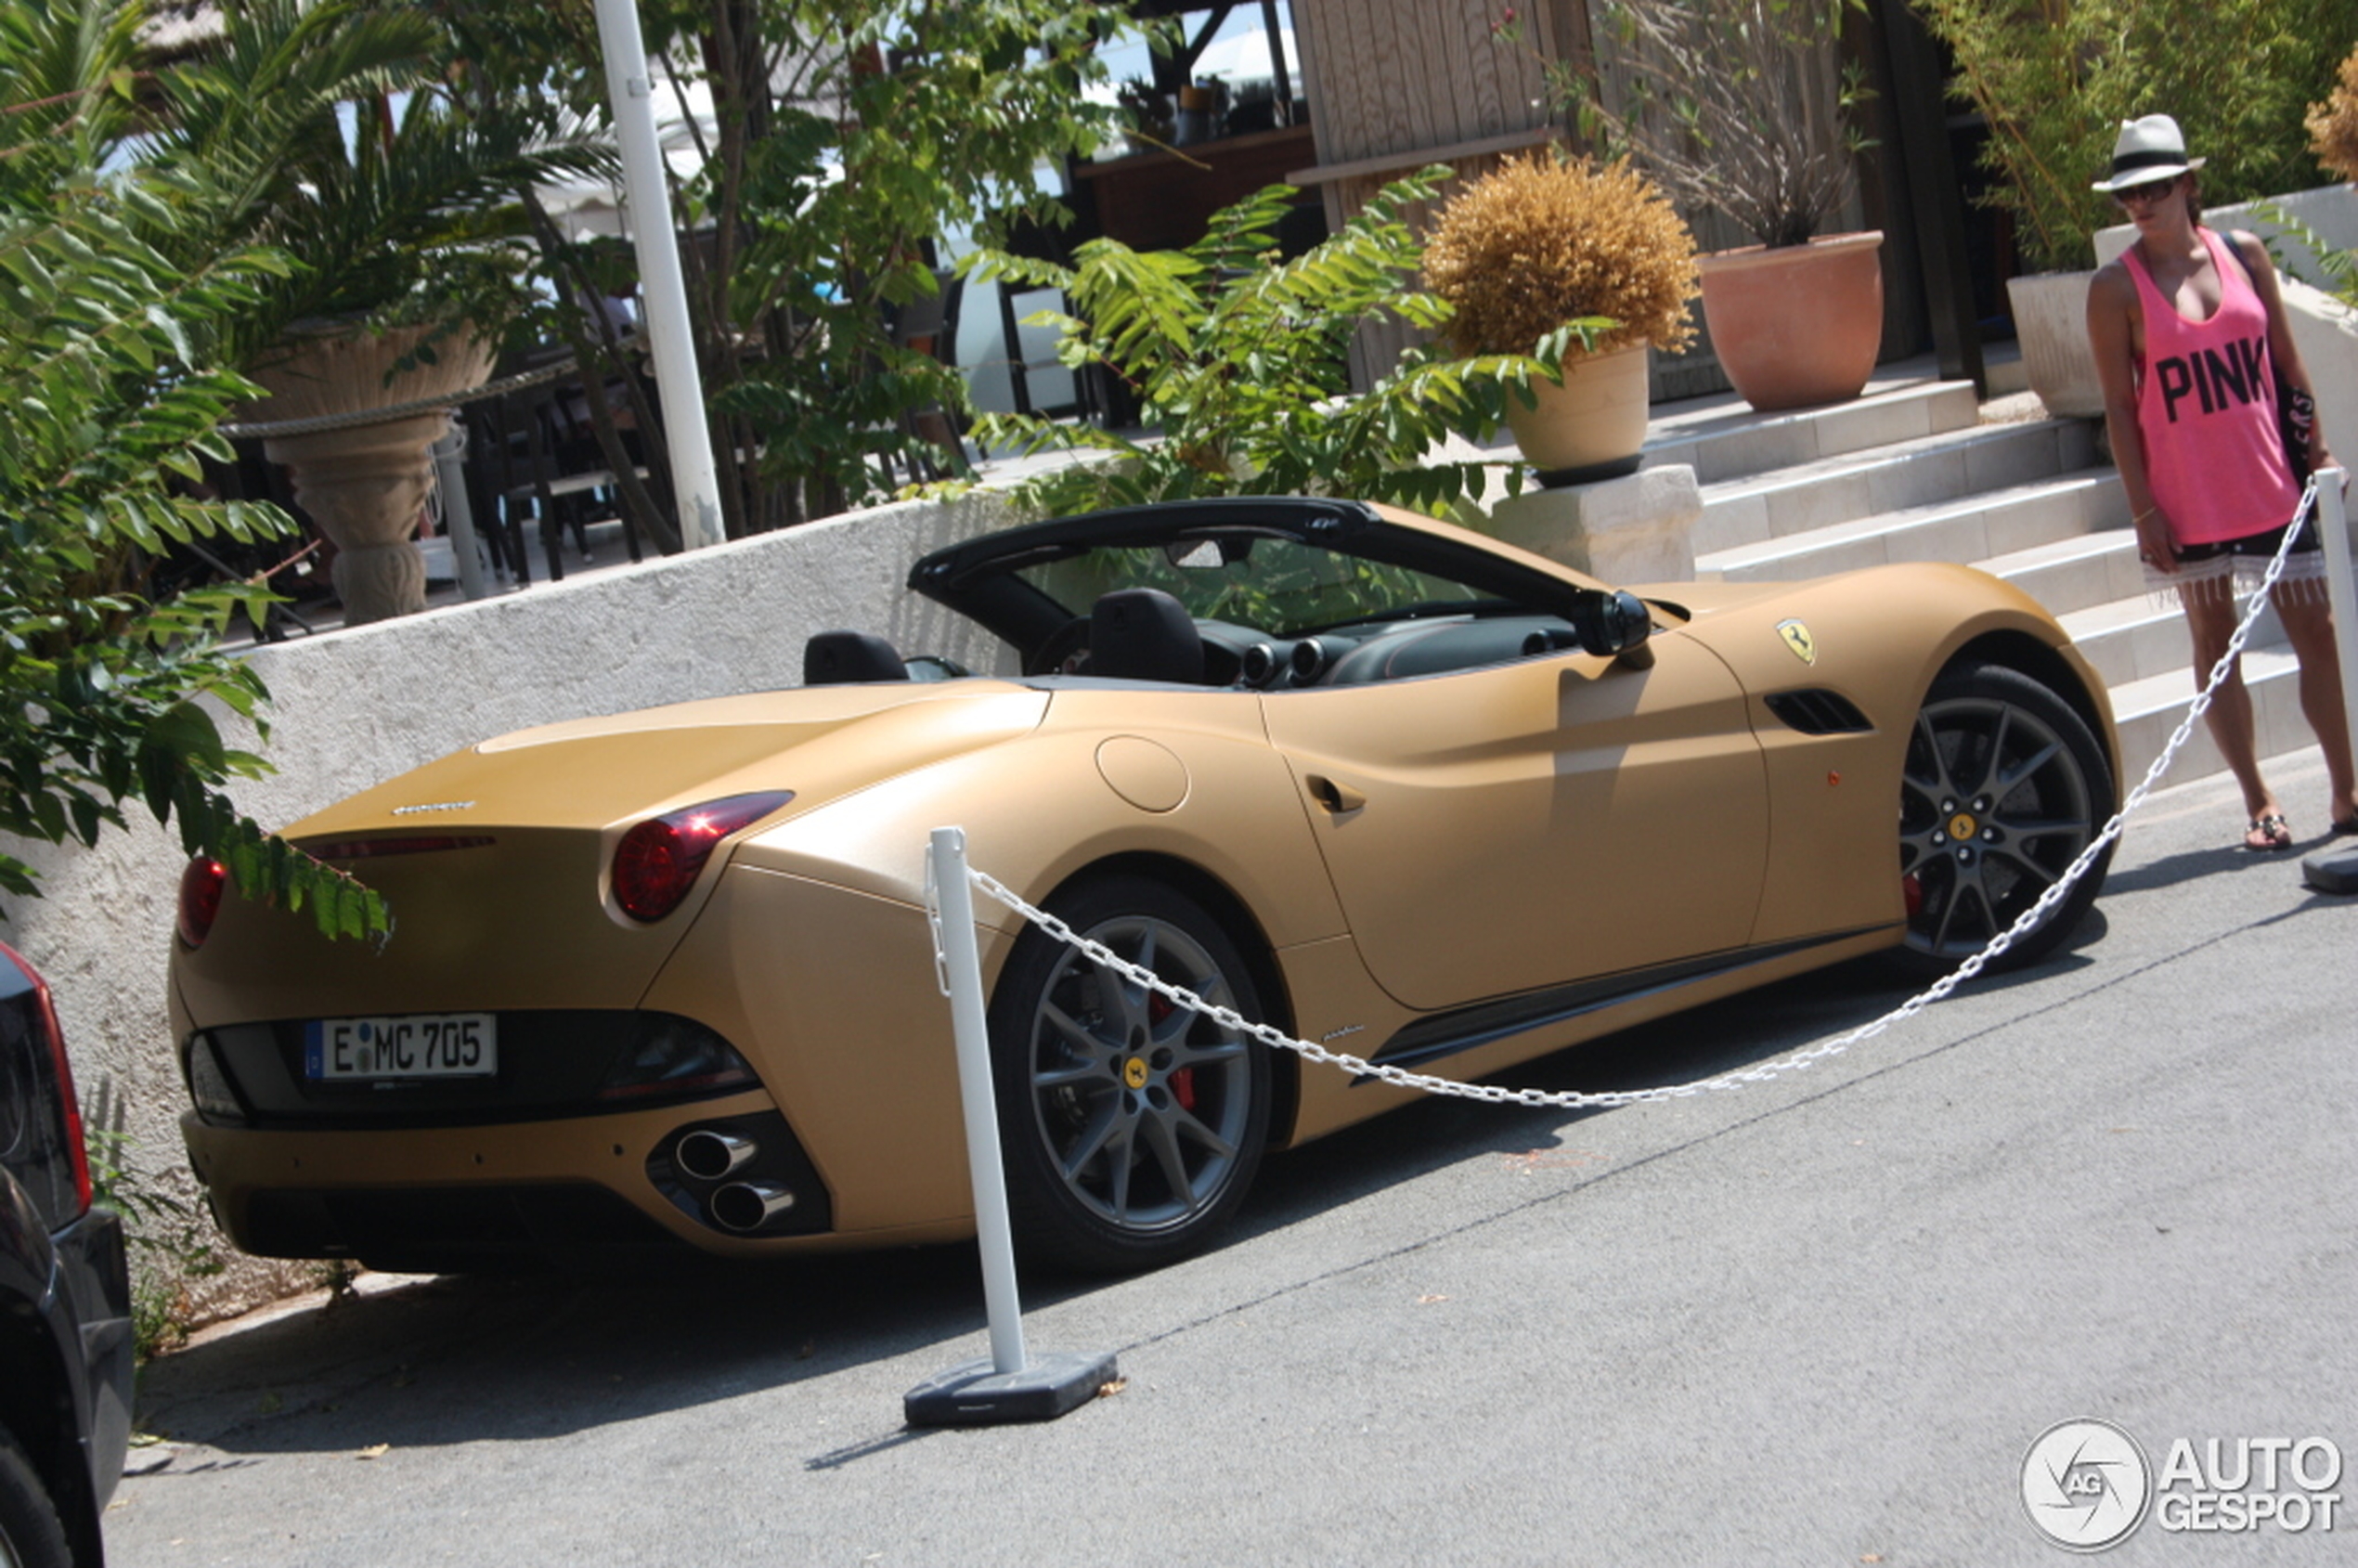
[(1962, 826), (1134, 1072)]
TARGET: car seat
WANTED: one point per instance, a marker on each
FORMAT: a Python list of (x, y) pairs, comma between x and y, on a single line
[(1144, 634), (837, 658)]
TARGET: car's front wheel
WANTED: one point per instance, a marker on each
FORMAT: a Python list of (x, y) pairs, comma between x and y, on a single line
[(2003, 786), (1132, 1127)]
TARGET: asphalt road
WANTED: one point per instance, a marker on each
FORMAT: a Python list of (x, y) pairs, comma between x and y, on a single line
[(1817, 1321)]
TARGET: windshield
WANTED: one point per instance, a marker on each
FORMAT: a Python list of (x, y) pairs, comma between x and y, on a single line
[(1277, 585)]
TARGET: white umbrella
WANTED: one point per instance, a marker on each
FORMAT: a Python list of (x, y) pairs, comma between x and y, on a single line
[(591, 204)]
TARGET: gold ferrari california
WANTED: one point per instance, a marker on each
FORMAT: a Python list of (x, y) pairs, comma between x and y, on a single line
[(666, 978)]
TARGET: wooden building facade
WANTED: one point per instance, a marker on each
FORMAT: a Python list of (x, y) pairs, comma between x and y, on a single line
[(1391, 85)]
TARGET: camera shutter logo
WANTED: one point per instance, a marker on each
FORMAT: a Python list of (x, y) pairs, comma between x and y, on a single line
[(2086, 1485)]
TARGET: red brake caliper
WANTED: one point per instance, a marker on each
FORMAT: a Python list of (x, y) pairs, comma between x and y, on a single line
[(1183, 1083)]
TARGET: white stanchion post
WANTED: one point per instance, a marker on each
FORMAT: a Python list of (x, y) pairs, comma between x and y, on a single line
[(2336, 871), (1009, 1386), (2333, 528), (969, 1021)]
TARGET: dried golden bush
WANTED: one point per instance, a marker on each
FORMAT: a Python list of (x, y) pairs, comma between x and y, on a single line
[(1542, 240), (2333, 124)]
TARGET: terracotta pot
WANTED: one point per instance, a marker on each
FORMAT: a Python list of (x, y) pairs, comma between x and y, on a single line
[(1593, 426), (2051, 325), (364, 484), (1797, 325)]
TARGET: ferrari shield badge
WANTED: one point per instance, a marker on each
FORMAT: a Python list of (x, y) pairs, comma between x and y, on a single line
[(1797, 638)]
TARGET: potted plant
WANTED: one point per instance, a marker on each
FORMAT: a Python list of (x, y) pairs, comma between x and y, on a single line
[(1545, 243), (1743, 107), (402, 229)]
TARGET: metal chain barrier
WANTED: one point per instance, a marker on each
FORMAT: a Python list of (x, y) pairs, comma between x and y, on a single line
[(1572, 1099)]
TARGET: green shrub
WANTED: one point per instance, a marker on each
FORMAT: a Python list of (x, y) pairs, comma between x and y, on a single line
[(2054, 78), (1542, 240), (1240, 363)]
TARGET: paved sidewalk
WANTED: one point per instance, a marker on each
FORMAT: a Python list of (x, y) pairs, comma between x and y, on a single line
[(1818, 1321)]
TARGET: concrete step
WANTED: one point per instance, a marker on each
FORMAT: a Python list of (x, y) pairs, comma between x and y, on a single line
[(1723, 438), (1907, 475), (2130, 639), (1970, 529), (2076, 572), (2148, 711)]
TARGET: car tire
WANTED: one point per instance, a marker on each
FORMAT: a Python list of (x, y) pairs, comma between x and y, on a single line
[(2003, 786), (32, 1536), (1132, 1128)]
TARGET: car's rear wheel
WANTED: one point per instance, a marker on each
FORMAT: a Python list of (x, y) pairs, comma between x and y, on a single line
[(30, 1534), (2003, 786), (1132, 1127)]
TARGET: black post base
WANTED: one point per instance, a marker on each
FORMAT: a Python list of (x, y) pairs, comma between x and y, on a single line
[(973, 1394), (2331, 871)]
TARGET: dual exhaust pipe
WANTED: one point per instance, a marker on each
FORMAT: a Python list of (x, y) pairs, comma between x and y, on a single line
[(744, 1206)]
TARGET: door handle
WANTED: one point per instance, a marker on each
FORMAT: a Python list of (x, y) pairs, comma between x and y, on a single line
[(1338, 800)]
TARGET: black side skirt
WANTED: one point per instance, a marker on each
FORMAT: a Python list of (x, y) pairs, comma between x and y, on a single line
[(1466, 1029)]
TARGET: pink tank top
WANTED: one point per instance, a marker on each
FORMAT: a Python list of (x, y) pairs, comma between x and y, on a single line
[(2207, 407)]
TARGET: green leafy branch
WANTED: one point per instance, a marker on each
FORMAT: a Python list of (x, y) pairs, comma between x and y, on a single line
[(1240, 363), (108, 696)]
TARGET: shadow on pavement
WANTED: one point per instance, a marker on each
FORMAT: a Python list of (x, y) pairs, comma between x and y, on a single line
[(533, 1356), (1726, 1036)]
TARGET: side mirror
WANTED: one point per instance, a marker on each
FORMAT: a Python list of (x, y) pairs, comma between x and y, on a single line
[(1613, 623)]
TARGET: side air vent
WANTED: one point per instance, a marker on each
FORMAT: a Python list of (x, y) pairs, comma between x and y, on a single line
[(1820, 712)]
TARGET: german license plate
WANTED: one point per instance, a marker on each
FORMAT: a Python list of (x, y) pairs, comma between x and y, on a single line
[(417, 1046)]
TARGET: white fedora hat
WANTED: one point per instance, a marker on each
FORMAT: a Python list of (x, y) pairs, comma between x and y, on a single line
[(2148, 149)]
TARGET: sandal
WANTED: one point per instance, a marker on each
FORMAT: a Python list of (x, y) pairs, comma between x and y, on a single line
[(2268, 832), (2344, 826)]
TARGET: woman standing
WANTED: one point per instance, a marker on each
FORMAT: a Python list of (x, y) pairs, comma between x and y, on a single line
[(2189, 332)]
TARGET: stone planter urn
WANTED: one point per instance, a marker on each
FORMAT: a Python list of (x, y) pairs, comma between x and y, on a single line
[(2051, 325), (1797, 325), (364, 484)]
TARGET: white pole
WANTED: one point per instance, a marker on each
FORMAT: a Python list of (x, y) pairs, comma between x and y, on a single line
[(963, 961), (457, 512), (664, 293), (2333, 527)]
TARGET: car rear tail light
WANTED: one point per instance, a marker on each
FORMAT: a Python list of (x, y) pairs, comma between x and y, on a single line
[(40, 1120), (200, 888), (675, 1056), (659, 860)]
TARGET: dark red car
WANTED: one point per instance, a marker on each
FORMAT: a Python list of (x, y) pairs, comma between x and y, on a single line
[(65, 1300)]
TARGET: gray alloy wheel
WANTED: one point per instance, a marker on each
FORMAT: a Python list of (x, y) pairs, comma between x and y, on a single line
[(2002, 787), (1132, 1127)]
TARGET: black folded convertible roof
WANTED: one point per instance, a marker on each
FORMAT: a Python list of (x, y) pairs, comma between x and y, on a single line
[(977, 577)]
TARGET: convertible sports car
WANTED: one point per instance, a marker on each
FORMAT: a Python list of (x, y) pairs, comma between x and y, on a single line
[(666, 978)]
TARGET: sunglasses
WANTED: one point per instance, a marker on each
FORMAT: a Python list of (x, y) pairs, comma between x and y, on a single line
[(2152, 190)]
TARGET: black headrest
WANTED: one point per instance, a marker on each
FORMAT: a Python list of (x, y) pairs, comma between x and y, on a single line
[(834, 658), (1144, 634)]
